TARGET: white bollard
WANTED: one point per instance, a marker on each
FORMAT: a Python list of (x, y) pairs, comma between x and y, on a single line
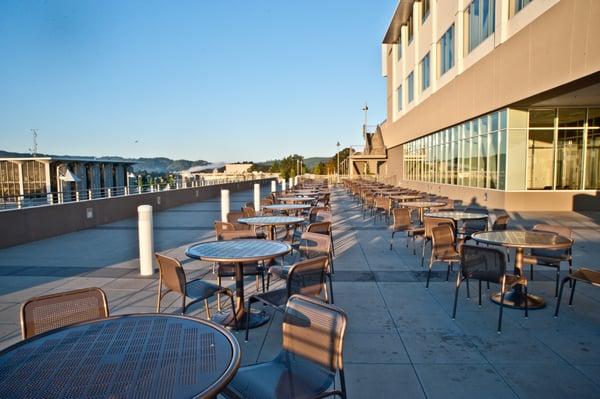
[(256, 197), (291, 182), (273, 186), (224, 205), (283, 185), (296, 181), (146, 239)]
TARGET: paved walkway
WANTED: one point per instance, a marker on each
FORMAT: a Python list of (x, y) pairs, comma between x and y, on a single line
[(401, 339)]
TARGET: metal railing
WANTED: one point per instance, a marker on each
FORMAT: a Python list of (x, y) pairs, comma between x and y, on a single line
[(59, 197)]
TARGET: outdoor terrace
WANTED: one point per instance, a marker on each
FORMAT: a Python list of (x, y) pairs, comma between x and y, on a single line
[(401, 339)]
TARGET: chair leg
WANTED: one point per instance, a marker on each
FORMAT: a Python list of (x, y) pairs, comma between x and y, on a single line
[(248, 317), (429, 271), (458, 282), (158, 299), (235, 317), (257, 284), (448, 271), (330, 287), (502, 294), (570, 269), (572, 292), (526, 302), (479, 293), (531, 272), (468, 290), (562, 286), (557, 281), (392, 240), (262, 276), (423, 252), (206, 309), (218, 295)]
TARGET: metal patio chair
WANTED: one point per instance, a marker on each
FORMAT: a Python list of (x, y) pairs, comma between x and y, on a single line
[(443, 249), (587, 276)]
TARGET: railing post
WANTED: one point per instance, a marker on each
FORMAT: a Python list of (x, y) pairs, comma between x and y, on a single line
[(109, 192), (273, 186), (77, 195)]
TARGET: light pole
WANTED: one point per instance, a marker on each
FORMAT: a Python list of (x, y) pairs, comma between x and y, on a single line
[(338, 161)]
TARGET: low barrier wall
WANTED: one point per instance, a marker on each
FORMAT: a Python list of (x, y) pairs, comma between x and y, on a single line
[(20, 226)]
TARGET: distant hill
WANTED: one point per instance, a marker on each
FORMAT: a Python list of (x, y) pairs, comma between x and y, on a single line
[(155, 165), (310, 163)]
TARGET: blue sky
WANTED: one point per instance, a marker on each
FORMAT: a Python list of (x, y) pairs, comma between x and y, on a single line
[(215, 80)]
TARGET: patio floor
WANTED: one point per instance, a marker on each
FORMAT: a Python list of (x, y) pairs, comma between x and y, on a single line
[(401, 338)]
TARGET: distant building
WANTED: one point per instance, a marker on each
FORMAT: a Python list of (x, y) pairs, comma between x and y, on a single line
[(57, 179), (494, 101), (237, 168)]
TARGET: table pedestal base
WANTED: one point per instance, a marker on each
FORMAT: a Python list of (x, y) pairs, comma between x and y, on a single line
[(257, 318), (515, 299)]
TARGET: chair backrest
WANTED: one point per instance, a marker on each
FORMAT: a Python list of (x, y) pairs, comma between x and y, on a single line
[(483, 263), (560, 230), (221, 227), (442, 241), (171, 274), (45, 313), (319, 228), (431, 222), (383, 202), (313, 212), (248, 205), (402, 218), (501, 223), (315, 331), (307, 277), (234, 216), (323, 216), (314, 244), (248, 212)]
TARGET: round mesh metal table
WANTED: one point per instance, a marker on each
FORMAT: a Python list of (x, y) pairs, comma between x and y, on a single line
[(239, 252), (457, 215), (406, 197), (421, 205), (296, 199), (271, 222), (519, 240), (142, 355), (287, 207)]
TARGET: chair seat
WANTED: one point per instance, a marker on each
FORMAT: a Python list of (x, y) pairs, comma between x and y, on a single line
[(199, 289), (416, 231), (280, 271), (250, 269), (276, 298), (287, 376), (587, 276), (449, 257), (550, 256)]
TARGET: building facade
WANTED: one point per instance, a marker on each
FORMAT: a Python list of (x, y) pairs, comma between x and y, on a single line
[(495, 101), (38, 180)]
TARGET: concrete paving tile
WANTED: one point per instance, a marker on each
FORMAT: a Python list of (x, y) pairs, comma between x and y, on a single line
[(10, 334), (10, 313), (576, 348), (441, 347), (462, 381), (374, 348), (382, 381), (592, 371), (548, 381)]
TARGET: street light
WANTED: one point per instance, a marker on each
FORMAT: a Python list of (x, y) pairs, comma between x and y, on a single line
[(338, 161)]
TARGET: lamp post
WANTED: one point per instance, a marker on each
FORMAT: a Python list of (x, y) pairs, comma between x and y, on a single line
[(338, 161)]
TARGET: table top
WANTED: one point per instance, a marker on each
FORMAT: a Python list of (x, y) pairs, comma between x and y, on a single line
[(406, 196), (296, 199), (146, 355), (457, 215), (271, 220), (287, 207), (423, 204), (249, 250), (523, 239)]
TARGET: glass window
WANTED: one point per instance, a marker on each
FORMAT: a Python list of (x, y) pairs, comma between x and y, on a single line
[(399, 98), (502, 160), (411, 87), (425, 74), (399, 48), (540, 159), (518, 5), (569, 152), (480, 15), (492, 164), (447, 50), (592, 157), (426, 9), (410, 29), (542, 118)]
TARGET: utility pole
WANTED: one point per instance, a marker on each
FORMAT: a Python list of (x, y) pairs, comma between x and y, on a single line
[(34, 149), (366, 109)]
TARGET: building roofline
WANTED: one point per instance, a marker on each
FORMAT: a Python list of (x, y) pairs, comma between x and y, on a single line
[(67, 159), (401, 15)]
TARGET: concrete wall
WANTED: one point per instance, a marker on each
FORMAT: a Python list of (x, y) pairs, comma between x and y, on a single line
[(36, 223)]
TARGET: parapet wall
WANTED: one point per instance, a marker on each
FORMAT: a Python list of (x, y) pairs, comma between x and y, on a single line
[(20, 226)]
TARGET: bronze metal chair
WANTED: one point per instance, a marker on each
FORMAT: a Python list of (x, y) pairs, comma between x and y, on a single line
[(249, 211), (234, 216), (551, 257), (443, 249), (173, 277), (402, 221), (486, 264), (382, 207), (45, 313), (310, 359), (429, 223), (587, 276), (306, 277), (311, 245), (470, 227)]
